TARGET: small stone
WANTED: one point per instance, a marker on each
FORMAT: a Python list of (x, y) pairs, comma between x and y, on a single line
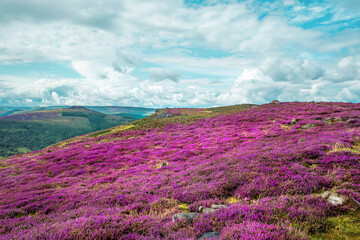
[(340, 200), (214, 206), (162, 164), (164, 115), (293, 121), (337, 199), (208, 210), (187, 216), (201, 208), (307, 126), (325, 194), (213, 235)]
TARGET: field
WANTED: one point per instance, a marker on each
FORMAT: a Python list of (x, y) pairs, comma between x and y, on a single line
[(267, 164)]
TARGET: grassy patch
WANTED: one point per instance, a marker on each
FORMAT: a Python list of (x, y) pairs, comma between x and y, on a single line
[(341, 148), (184, 207), (232, 200), (342, 227), (23, 150)]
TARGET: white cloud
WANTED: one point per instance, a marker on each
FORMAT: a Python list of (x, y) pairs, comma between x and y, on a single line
[(159, 74), (263, 52)]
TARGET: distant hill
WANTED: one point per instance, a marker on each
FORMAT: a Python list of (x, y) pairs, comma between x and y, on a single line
[(21, 133), (137, 112)]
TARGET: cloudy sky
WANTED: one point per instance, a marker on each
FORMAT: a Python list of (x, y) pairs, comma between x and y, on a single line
[(192, 53)]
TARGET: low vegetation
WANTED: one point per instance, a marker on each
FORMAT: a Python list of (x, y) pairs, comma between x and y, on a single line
[(129, 182)]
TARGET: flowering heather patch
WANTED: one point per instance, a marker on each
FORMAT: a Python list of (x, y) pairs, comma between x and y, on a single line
[(273, 160)]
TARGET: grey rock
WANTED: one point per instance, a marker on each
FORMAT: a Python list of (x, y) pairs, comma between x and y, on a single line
[(325, 194), (307, 126), (337, 199), (293, 121), (275, 101), (208, 210), (213, 235), (164, 115), (189, 217), (214, 206), (162, 164)]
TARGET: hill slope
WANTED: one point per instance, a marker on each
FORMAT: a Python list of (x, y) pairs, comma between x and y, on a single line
[(134, 112), (267, 164), (35, 130)]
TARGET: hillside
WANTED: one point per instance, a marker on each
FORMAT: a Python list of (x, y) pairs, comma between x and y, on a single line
[(133, 112), (21, 133), (239, 172)]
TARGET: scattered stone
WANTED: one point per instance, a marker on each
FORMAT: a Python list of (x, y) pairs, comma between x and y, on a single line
[(213, 235), (187, 216), (335, 119), (162, 164), (307, 126), (275, 101), (164, 115), (325, 194), (208, 210), (214, 206), (340, 200), (293, 121)]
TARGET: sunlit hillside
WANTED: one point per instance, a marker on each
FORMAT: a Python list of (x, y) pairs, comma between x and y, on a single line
[(273, 171)]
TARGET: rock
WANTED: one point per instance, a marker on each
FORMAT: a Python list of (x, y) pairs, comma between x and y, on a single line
[(214, 206), (162, 164), (187, 216), (293, 121), (275, 101), (213, 235), (337, 199), (208, 210), (164, 115), (325, 194), (336, 119), (307, 126)]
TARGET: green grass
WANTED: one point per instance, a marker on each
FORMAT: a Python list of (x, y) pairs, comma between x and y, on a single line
[(342, 227), (23, 150), (184, 207), (230, 109), (188, 116)]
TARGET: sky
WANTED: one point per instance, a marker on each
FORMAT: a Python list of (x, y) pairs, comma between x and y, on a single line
[(173, 53)]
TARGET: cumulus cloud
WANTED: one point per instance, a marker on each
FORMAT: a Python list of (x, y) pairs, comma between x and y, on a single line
[(289, 70), (216, 53)]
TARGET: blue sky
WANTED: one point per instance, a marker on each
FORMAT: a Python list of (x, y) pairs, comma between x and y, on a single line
[(178, 53)]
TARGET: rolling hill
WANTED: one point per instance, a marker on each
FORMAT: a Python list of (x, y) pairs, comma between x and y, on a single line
[(133, 112), (275, 171), (21, 133)]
